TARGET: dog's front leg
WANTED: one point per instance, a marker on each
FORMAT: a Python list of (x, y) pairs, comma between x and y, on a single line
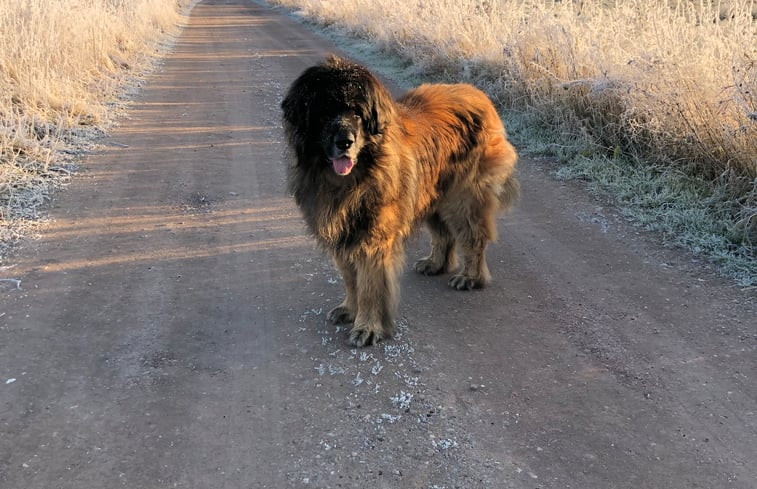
[(345, 312), (377, 296)]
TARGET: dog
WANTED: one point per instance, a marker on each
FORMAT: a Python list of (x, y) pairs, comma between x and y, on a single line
[(366, 171)]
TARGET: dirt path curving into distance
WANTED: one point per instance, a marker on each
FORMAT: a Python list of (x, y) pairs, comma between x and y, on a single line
[(169, 328)]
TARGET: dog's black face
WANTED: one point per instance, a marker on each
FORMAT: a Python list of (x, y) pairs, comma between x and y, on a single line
[(337, 110)]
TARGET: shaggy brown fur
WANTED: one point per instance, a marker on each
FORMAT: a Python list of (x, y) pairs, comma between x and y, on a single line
[(367, 170)]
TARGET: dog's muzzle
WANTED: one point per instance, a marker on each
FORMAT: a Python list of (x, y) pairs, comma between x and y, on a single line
[(340, 146)]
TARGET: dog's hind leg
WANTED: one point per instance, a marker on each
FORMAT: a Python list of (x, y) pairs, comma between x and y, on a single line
[(475, 273), (442, 257), (345, 312), (473, 222)]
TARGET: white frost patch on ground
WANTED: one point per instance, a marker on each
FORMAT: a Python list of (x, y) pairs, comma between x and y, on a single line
[(402, 400), (407, 379), (389, 418), (331, 369), (357, 380), (337, 370), (310, 312), (366, 368), (365, 356), (444, 444), (397, 350)]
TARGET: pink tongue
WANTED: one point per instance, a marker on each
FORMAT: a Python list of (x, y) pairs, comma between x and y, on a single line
[(342, 165)]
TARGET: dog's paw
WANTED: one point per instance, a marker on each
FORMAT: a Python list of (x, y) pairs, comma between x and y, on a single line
[(341, 315), (367, 335), (464, 282), (426, 266)]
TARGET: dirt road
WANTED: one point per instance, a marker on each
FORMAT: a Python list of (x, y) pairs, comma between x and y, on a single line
[(169, 328)]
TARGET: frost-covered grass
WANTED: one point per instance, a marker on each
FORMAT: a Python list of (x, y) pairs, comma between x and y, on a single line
[(62, 62), (665, 88)]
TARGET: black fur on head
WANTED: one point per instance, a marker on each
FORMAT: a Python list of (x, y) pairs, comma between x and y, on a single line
[(334, 110)]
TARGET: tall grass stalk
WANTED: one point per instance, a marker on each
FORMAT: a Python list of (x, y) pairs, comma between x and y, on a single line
[(670, 84)]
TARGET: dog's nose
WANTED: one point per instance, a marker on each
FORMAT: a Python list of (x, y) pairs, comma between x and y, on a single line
[(343, 143)]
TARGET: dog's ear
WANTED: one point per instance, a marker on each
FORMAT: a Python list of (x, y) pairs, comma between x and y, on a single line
[(380, 106), (296, 105)]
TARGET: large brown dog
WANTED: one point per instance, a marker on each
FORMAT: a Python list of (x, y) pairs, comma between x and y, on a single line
[(366, 171)]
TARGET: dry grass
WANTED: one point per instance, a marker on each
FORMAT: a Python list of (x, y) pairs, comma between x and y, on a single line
[(62, 64), (669, 84)]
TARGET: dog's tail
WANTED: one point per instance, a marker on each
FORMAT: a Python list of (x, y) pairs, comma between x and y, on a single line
[(498, 163), (509, 192)]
